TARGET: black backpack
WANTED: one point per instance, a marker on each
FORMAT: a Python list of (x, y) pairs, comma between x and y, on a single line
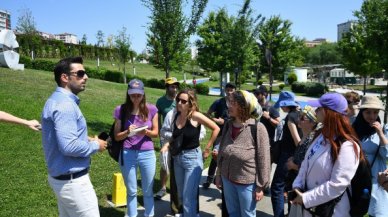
[(361, 184), (115, 147)]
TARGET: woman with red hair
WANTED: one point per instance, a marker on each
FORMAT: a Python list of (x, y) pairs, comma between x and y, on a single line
[(331, 160)]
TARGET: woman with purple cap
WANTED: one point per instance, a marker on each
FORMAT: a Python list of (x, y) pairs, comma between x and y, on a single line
[(288, 143), (138, 148), (331, 160), (374, 144)]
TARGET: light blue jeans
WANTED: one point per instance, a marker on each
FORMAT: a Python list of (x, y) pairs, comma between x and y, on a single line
[(188, 169), (146, 161), (239, 198)]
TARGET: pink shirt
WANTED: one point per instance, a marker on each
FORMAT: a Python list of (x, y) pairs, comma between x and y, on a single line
[(138, 142)]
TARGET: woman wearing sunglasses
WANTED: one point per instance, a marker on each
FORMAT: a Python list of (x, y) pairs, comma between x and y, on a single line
[(138, 148), (243, 159), (188, 162)]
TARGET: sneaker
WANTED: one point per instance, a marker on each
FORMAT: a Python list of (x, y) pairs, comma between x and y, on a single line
[(206, 185), (160, 194)]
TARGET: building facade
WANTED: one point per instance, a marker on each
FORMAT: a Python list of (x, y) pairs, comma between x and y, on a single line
[(343, 28), (316, 42), (67, 38), (5, 20)]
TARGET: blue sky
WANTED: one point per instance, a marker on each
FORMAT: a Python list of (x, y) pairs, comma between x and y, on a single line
[(311, 18)]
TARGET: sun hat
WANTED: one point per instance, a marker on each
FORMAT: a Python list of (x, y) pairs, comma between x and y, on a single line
[(171, 80), (255, 109), (332, 101), (310, 113), (135, 86), (371, 102), (286, 98)]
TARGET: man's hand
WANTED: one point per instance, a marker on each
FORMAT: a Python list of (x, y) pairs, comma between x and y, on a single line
[(205, 153), (299, 197), (258, 195), (266, 115), (103, 144)]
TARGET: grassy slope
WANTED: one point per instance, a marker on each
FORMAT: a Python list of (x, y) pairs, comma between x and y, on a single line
[(23, 180)]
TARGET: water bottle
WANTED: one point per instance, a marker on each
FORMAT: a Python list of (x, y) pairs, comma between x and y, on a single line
[(365, 194)]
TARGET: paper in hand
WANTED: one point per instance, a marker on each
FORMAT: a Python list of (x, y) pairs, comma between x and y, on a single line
[(136, 130)]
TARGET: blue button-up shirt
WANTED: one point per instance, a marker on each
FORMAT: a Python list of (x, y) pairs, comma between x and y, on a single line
[(65, 135)]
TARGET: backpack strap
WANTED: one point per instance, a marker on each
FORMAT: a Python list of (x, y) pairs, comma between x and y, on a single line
[(122, 119), (374, 158), (254, 135)]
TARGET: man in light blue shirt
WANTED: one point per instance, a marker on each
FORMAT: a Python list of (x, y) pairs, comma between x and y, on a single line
[(66, 144)]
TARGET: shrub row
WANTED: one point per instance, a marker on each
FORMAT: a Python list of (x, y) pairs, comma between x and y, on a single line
[(310, 88), (108, 75)]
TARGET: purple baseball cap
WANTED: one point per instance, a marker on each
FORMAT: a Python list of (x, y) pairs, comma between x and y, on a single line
[(332, 101), (135, 86)]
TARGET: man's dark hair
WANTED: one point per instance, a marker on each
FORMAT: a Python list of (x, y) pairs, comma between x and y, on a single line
[(230, 85), (63, 67)]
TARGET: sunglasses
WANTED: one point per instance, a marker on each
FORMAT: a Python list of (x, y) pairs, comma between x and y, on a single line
[(183, 102), (79, 73)]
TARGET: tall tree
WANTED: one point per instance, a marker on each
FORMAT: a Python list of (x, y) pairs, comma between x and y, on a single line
[(84, 40), (357, 55), (123, 44), (170, 29), (100, 38), (326, 53), (373, 15), (26, 23)]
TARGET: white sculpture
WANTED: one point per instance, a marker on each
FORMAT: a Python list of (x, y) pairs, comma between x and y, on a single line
[(8, 56)]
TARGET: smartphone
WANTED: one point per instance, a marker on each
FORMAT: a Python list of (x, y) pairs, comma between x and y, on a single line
[(103, 136), (291, 195)]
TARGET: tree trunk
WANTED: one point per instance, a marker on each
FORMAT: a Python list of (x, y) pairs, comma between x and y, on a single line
[(222, 89), (365, 76), (125, 74), (386, 104)]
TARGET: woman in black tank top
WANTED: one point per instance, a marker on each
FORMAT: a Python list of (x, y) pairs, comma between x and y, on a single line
[(188, 161)]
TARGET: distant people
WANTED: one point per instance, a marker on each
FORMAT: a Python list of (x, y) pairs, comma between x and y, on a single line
[(66, 144), (218, 112), (271, 116), (374, 143), (291, 136), (194, 81), (383, 179), (188, 161), (353, 99), (6, 117), (244, 163), (165, 104), (310, 127), (138, 149), (331, 160)]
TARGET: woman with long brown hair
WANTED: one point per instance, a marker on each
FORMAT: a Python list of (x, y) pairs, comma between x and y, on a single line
[(138, 148), (187, 157), (331, 160)]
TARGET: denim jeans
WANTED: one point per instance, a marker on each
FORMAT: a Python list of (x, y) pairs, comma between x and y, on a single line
[(146, 161), (239, 198), (278, 184), (188, 169)]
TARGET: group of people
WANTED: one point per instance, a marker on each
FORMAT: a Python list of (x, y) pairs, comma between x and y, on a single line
[(319, 148)]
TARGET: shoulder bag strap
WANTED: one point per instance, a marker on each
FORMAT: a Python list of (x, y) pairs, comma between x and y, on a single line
[(122, 119)]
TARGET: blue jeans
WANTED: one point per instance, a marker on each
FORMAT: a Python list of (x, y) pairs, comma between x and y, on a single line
[(278, 184), (188, 169), (239, 198), (146, 161)]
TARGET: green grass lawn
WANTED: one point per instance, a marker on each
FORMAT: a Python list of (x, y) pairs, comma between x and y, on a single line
[(23, 180)]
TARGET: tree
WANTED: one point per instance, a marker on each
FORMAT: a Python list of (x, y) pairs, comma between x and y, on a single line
[(26, 23), (373, 15), (100, 38), (281, 49), (84, 40), (326, 53), (170, 29), (123, 44), (357, 55)]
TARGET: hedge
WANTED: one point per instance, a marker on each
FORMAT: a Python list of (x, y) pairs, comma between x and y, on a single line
[(310, 88), (108, 75)]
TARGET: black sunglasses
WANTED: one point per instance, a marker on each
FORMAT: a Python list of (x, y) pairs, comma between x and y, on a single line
[(79, 73), (182, 101)]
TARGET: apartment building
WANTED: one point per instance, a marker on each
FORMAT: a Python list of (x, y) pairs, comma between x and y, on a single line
[(67, 38), (5, 19), (343, 28)]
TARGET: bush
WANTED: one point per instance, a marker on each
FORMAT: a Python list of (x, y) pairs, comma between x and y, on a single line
[(26, 61), (155, 83), (44, 65), (184, 85), (114, 76), (292, 78), (202, 89), (315, 89), (260, 82), (214, 77), (298, 87), (281, 86)]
